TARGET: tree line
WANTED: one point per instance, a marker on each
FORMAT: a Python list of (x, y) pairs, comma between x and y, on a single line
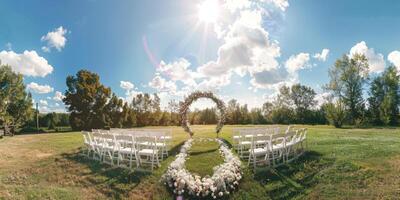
[(357, 98)]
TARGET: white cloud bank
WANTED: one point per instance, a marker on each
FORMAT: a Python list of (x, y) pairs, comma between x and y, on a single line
[(58, 96), (40, 89), (28, 63), (54, 39), (322, 56), (376, 61), (394, 58)]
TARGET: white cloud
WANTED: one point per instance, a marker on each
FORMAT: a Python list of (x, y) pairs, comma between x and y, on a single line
[(40, 89), (297, 62), (281, 4), (49, 109), (126, 85), (246, 49), (43, 102), (28, 63), (375, 60), (162, 85), (58, 96), (323, 55), (178, 71), (130, 90), (322, 98), (394, 58), (55, 39)]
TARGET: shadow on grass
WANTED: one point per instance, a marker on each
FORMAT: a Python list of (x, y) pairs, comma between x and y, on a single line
[(294, 179), (111, 181), (115, 182)]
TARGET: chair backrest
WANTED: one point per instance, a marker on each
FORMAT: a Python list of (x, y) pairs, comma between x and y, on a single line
[(276, 139), (86, 137), (291, 137), (304, 134), (125, 141)]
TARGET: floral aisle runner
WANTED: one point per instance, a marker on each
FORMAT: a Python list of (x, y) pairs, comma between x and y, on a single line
[(226, 176)]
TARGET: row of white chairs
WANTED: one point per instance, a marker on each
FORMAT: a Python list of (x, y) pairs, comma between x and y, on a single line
[(128, 148), (270, 146)]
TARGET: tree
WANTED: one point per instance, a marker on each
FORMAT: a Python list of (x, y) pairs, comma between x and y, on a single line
[(376, 96), (15, 102), (114, 112), (348, 76), (384, 100), (129, 116), (52, 120), (233, 114), (173, 109), (335, 113), (303, 98), (86, 99), (267, 109)]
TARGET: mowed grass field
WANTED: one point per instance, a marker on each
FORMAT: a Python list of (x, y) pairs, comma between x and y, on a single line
[(339, 164)]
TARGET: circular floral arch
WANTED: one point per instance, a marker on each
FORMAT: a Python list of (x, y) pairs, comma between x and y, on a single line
[(184, 107)]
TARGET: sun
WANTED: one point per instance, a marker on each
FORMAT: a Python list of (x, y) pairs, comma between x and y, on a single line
[(209, 11)]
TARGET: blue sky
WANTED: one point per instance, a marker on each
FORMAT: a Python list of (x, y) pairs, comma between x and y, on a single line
[(238, 48)]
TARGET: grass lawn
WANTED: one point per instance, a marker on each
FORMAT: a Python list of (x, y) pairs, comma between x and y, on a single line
[(339, 164)]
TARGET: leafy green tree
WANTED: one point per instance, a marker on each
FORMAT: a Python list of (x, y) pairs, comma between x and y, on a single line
[(114, 110), (335, 113), (267, 109), (303, 99), (86, 99), (15, 102), (384, 100), (52, 120), (347, 78), (376, 96), (257, 117), (129, 116)]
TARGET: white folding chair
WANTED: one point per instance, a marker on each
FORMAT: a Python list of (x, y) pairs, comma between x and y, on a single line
[(276, 148), (147, 150), (244, 143), (98, 141), (291, 142), (110, 146), (303, 139), (88, 143), (127, 152), (258, 149)]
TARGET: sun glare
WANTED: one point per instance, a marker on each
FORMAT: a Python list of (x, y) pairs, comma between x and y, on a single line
[(208, 11)]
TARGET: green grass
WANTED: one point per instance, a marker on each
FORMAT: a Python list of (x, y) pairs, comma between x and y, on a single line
[(339, 164), (203, 157)]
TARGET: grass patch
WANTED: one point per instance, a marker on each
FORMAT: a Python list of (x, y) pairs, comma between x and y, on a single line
[(339, 164), (203, 157)]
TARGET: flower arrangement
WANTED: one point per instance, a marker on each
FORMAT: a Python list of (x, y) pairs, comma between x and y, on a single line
[(226, 176), (184, 107)]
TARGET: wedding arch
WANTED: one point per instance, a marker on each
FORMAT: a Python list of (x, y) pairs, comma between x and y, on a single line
[(184, 108)]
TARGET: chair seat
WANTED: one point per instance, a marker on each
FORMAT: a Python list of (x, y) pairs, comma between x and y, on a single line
[(126, 150), (277, 146), (261, 141), (245, 143), (236, 137), (293, 142), (147, 152), (160, 144), (259, 151)]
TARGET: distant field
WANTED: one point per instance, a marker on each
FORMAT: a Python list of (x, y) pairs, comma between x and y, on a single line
[(340, 164)]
